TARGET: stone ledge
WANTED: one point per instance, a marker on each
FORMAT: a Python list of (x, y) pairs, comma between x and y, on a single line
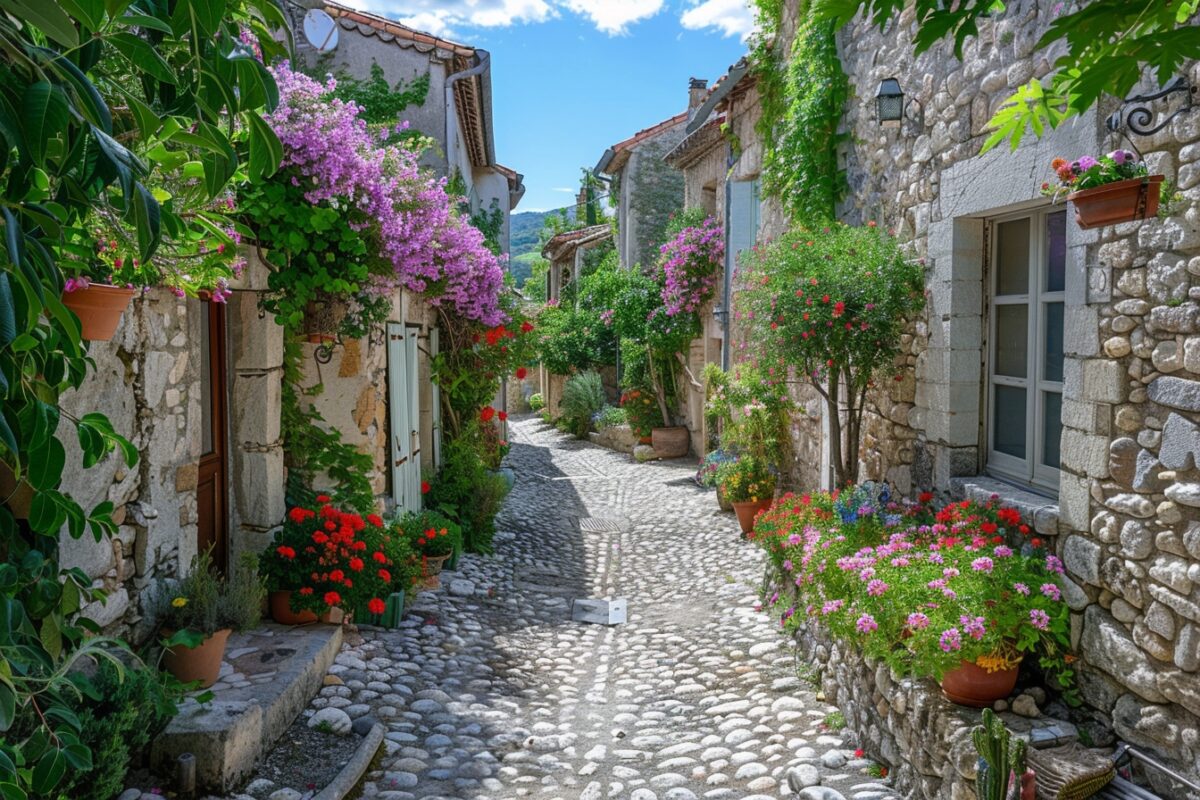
[(906, 723), (231, 733), (1041, 510), (615, 437)]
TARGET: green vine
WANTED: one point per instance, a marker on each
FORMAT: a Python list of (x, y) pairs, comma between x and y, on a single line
[(802, 102), (490, 223), (381, 103), (312, 449)]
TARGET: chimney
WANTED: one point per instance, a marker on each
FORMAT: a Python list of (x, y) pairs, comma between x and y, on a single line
[(697, 93)]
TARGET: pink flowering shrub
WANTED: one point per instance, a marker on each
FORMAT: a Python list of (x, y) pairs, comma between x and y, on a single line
[(413, 236), (691, 263), (922, 590)]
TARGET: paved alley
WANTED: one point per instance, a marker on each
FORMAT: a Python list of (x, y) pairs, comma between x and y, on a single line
[(491, 691)]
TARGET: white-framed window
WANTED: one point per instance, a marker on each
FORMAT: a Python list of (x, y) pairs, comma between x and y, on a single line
[(1026, 292)]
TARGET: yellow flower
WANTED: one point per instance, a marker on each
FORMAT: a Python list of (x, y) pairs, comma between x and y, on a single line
[(179, 602)]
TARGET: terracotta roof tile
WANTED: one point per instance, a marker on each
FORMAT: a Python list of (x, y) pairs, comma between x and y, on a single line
[(390, 30), (651, 132)]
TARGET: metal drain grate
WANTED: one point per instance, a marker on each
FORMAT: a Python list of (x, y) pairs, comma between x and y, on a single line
[(599, 525)]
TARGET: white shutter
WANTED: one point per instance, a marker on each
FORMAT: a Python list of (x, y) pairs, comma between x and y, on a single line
[(398, 414), (434, 349)]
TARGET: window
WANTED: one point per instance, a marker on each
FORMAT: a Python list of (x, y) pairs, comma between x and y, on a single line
[(1028, 258)]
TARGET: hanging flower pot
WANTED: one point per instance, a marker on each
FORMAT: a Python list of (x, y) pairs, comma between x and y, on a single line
[(747, 511), (99, 308), (322, 318), (971, 685), (281, 610), (673, 442), (1122, 201), (200, 663)]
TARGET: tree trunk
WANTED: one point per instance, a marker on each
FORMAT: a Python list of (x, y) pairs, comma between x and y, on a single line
[(660, 393)]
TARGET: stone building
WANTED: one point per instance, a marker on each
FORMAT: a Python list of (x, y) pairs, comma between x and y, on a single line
[(1054, 366), (196, 386), (645, 191)]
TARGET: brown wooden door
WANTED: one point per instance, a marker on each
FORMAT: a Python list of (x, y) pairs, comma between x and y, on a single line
[(211, 493)]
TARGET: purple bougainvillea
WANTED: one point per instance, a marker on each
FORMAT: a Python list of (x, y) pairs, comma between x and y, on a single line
[(691, 263)]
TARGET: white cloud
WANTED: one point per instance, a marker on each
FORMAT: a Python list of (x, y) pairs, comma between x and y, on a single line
[(614, 16), (731, 17), (564, 190), (444, 16)]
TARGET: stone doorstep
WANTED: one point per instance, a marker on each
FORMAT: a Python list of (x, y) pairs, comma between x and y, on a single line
[(229, 735)]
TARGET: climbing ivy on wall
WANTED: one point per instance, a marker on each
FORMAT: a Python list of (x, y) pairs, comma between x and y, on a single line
[(381, 102), (802, 93), (490, 222)]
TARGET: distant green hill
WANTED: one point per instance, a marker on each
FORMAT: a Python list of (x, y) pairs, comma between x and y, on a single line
[(525, 228), (521, 266)]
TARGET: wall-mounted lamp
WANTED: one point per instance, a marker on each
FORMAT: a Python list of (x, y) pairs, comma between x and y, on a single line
[(889, 103)]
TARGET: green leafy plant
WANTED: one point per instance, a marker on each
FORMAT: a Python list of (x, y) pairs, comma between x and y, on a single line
[(536, 401), (582, 398), (610, 417), (752, 409), (1087, 172), (1001, 756), (381, 102), (831, 304), (203, 602), (803, 94), (430, 533), (1107, 46), (746, 479), (466, 492)]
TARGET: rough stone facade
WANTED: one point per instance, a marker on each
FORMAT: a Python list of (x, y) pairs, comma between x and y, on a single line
[(646, 191)]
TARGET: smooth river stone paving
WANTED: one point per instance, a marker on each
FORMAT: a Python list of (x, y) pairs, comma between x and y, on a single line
[(495, 693)]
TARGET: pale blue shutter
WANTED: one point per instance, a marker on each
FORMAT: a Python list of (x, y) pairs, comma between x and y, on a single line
[(412, 380), (398, 415)]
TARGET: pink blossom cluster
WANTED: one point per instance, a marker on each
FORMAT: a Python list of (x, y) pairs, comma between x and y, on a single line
[(691, 263), (401, 209)]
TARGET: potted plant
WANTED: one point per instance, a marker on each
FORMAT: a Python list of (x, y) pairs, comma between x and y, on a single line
[(1114, 188), (435, 539), (324, 558), (959, 594), (749, 486), (641, 412), (197, 614), (706, 475)]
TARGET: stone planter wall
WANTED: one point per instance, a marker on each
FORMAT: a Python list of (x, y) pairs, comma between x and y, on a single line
[(615, 437)]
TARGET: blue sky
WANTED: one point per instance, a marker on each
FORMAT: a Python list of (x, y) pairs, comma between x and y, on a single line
[(573, 77)]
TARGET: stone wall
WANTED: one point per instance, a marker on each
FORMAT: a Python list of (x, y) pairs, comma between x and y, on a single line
[(650, 192), (147, 382), (1129, 491)]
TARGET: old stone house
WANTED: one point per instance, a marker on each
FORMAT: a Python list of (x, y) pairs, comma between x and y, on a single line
[(644, 190), (196, 386), (1056, 367)]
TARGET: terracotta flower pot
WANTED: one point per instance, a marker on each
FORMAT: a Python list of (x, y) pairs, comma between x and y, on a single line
[(673, 442), (747, 511), (322, 319), (431, 570), (1123, 201), (972, 685), (645, 440), (99, 308), (201, 663), (281, 610)]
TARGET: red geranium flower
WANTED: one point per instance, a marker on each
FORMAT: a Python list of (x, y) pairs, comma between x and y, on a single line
[(298, 515), (285, 551), (320, 537), (356, 564), (521, 373), (503, 416), (306, 591), (332, 598), (379, 556), (526, 327), (425, 487), (375, 520), (323, 499), (376, 606), (385, 576), (337, 576), (487, 413), (925, 497), (839, 308)]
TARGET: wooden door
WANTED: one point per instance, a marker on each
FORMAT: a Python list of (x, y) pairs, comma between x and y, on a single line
[(404, 406), (211, 487)]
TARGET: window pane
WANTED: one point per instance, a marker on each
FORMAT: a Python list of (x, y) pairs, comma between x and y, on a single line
[(1009, 421), (1052, 369), (1012, 257), (1012, 339), (1056, 251), (1051, 428)]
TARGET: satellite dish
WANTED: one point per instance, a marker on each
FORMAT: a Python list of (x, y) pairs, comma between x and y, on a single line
[(320, 30)]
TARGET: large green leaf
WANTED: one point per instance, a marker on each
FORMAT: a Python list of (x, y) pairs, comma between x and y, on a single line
[(8, 706), (48, 771), (45, 115), (142, 55), (90, 104), (48, 17), (46, 465), (265, 149), (8, 318), (147, 216)]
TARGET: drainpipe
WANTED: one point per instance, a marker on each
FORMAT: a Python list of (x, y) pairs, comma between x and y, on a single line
[(483, 62)]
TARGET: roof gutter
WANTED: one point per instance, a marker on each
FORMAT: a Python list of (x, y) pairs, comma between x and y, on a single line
[(482, 70), (605, 160), (719, 93)]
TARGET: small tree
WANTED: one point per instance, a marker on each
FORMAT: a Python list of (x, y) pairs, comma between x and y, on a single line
[(831, 304)]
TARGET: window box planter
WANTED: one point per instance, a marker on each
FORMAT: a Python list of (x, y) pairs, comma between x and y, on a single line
[(1123, 201), (673, 442), (99, 308), (972, 685)]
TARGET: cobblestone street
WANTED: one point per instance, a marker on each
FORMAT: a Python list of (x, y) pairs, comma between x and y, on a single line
[(489, 690)]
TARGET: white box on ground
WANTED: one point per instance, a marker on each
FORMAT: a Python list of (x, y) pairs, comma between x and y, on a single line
[(600, 612)]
